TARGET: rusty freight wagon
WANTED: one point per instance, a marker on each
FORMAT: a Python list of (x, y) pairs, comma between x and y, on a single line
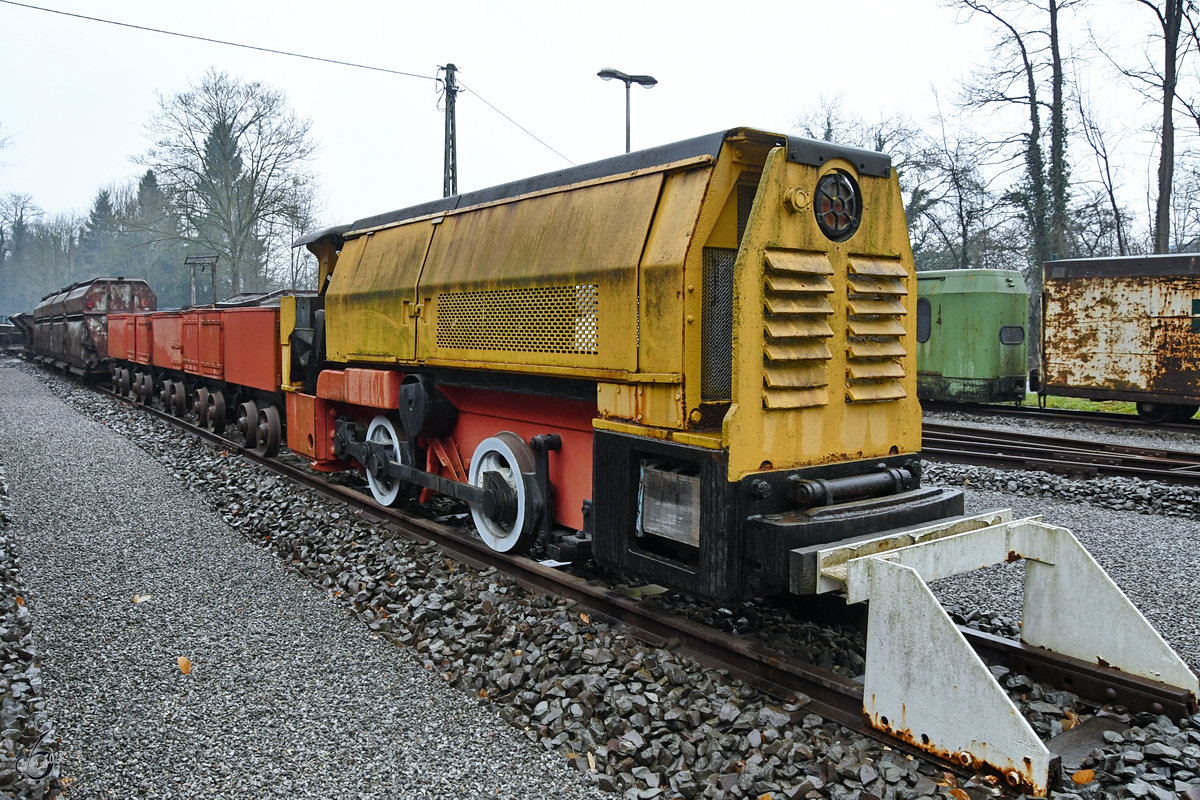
[(1124, 329), (70, 327)]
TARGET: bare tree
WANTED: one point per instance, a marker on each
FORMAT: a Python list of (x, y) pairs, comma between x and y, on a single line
[(955, 215), (1016, 83), (233, 159), (54, 255), (294, 267), (18, 213), (1094, 135), (894, 134), (1059, 174), (1159, 83), (1185, 211)]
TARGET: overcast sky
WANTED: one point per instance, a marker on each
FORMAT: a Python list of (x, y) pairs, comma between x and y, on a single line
[(76, 95)]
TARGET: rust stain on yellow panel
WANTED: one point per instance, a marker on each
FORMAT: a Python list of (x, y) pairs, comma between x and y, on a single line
[(821, 367), (370, 300), (287, 324), (710, 441), (657, 405), (664, 287), (552, 278)]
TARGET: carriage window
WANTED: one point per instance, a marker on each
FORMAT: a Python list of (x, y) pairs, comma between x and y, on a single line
[(923, 323), (1012, 334)]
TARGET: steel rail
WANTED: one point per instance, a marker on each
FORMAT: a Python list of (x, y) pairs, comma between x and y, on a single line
[(1108, 418), (831, 696), (1018, 449)]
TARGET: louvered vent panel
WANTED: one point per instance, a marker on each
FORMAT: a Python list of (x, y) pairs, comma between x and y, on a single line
[(548, 319), (796, 329), (875, 293)]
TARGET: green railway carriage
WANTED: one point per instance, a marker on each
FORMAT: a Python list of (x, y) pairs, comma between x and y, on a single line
[(971, 343)]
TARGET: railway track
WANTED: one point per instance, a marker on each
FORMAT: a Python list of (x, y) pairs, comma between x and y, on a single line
[(1108, 418), (808, 688), (964, 444)]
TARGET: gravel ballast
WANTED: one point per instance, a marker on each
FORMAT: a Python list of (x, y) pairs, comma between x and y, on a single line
[(584, 701), (288, 695)]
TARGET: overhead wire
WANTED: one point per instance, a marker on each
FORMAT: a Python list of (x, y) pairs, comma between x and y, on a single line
[(277, 52), (529, 133), (217, 41)]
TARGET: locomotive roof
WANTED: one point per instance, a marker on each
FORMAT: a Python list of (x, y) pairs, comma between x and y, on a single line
[(90, 281), (800, 150), (1117, 266)]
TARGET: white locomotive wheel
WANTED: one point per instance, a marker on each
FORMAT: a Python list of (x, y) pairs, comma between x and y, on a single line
[(506, 455), (386, 489)]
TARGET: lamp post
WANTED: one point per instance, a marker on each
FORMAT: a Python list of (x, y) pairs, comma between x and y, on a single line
[(642, 80)]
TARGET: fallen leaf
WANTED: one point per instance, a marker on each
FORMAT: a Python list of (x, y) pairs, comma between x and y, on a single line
[(141, 598), (20, 600), (959, 794), (516, 652), (1084, 776), (483, 693), (585, 619), (185, 665), (591, 761)]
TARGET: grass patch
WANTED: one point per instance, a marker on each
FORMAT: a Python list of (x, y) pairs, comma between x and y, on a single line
[(1083, 404)]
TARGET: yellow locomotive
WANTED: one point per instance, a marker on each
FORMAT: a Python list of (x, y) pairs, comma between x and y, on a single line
[(699, 357)]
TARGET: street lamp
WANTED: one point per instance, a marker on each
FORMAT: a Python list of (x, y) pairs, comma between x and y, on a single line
[(642, 80)]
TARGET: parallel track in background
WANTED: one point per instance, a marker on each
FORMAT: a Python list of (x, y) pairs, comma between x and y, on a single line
[(1108, 418), (970, 444), (829, 695)]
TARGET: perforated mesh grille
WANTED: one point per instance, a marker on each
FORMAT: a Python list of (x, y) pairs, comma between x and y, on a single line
[(716, 347), (745, 201), (552, 319)]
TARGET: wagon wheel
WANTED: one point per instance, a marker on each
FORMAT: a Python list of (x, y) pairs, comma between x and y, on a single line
[(269, 431), (165, 393), (498, 465), (179, 401), (125, 382), (1154, 413), (200, 407), (214, 416), (1183, 413), (115, 380), (247, 422), (147, 389)]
